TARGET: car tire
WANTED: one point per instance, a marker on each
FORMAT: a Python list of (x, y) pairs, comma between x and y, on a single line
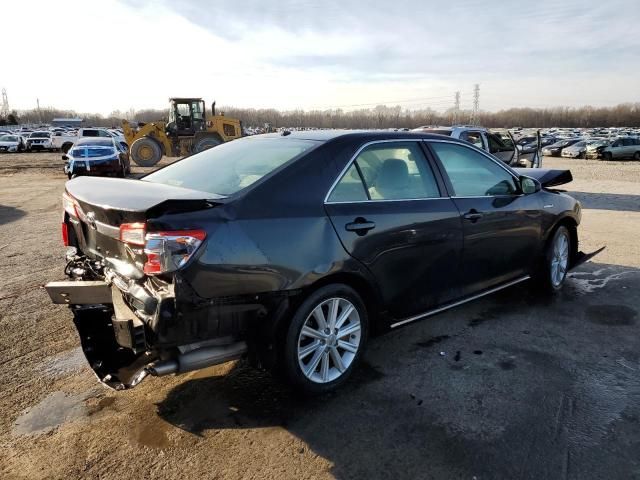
[(556, 262), (636, 156), (607, 156), (318, 357)]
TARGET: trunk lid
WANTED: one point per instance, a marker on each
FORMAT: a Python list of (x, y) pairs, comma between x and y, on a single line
[(104, 204)]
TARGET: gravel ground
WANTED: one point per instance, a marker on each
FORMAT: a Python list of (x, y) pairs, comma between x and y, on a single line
[(510, 386)]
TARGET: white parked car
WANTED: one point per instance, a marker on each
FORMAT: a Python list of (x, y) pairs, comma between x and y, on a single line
[(11, 143), (65, 142), (40, 140)]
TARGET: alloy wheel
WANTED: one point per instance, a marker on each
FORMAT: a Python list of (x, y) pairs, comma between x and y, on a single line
[(559, 259), (329, 340)]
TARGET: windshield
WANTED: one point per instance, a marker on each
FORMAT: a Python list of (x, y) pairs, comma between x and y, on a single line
[(40, 135), (232, 166), (580, 144), (8, 138)]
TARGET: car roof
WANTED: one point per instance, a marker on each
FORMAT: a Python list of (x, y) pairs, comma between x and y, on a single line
[(367, 135)]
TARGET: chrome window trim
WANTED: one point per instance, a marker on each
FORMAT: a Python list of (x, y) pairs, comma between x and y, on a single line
[(353, 159), (459, 302), (426, 140)]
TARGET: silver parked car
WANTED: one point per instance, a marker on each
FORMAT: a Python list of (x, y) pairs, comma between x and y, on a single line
[(627, 147)]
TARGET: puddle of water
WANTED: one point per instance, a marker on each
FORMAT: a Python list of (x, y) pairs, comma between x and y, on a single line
[(587, 282), (64, 363), (56, 409)]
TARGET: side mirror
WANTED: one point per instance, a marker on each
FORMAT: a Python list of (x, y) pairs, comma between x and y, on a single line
[(65, 157), (529, 185)]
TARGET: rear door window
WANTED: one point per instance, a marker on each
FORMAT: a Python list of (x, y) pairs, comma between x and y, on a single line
[(387, 171)]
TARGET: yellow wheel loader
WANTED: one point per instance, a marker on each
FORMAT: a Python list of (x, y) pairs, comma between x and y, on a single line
[(188, 130)]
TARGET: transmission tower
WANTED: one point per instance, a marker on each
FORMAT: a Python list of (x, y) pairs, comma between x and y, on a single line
[(4, 112), (456, 109), (476, 102)]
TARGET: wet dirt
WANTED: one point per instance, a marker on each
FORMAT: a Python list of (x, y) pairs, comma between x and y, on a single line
[(615, 315), (544, 387)]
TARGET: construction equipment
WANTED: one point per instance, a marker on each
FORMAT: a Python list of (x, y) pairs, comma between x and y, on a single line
[(188, 130)]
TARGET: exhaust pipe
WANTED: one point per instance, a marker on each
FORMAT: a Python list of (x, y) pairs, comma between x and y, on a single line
[(198, 359)]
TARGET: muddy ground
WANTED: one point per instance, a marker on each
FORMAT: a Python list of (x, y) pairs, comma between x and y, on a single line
[(512, 386)]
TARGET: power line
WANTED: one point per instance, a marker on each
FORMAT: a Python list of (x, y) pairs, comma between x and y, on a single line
[(407, 100)]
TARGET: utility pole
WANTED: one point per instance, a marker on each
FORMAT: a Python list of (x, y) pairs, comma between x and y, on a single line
[(4, 111), (456, 109), (476, 102)]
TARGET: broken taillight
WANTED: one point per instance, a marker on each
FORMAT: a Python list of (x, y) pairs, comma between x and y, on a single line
[(65, 234), (132, 233), (165, 251), (168, 251)]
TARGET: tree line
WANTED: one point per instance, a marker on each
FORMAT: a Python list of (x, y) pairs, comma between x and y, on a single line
[(623, 115)]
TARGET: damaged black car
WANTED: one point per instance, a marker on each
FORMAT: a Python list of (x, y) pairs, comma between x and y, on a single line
[(292, 249)]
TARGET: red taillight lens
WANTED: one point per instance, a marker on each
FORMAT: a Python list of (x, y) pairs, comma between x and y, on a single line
[(65, 234), (168, 251), (132, 233)]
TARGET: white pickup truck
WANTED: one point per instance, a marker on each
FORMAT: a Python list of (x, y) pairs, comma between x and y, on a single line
[(65, 142)]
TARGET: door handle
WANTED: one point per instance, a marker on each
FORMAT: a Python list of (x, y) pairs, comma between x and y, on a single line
[(360, 226), (473, 215)]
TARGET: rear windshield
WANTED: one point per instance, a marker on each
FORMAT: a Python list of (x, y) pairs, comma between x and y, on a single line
[(102, 142), (232, 166), (435, 130), (91, 152)]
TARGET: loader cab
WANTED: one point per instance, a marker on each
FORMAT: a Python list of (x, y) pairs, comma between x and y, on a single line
[(186, 117)]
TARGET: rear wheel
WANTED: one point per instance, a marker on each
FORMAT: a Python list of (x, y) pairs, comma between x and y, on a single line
[(205, 143), (636, 156), (66, 147), (146, 152), (325, 339)]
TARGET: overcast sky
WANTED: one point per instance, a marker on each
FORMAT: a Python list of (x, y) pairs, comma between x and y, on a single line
[(103, 55)]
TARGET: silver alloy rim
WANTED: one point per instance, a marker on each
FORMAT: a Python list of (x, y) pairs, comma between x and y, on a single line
[(329, 340), (559, 259)]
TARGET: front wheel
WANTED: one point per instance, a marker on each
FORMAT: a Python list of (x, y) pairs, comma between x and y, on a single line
[(555, 267), (325, 339), (636, 156), (607, 156)]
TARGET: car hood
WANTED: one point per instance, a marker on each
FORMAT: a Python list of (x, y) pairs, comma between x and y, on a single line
[(547, 177)]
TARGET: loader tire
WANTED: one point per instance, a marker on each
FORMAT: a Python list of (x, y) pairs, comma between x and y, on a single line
[(205, 143), (146, 152)]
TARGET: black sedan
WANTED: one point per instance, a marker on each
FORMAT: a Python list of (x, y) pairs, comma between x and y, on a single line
[(97, 156), (293, 248), (555, 149)]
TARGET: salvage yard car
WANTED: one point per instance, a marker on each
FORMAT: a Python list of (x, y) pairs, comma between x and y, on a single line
[(555, 149), (293, 248), (11, 143), (40, 140), (628, 147), (96, 156)]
